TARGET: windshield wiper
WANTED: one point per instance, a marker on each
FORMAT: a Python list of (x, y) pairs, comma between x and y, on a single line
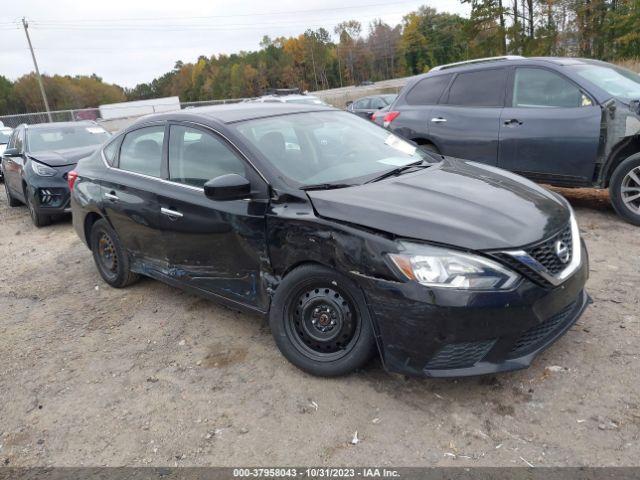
[(400, 170), (326, 186)]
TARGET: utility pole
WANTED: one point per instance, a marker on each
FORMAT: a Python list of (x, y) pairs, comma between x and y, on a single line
[(35, 64)]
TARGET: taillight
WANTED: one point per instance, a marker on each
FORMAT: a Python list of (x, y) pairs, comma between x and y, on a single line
[(72, 176), (373, 117), (390, 117)]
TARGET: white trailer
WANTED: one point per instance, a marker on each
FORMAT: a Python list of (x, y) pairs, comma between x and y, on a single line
[(139, 108)]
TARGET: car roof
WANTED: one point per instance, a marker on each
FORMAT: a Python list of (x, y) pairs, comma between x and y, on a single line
[(238, 112), (480, 64), (43, 126)]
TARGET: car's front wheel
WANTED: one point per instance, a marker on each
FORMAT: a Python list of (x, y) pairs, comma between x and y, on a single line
[(624, 189), (110, 256), (38, 219), (320, 322), (13, 202)]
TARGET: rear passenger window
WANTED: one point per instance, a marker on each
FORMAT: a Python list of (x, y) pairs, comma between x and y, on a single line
[(141, 151), (483, 88), (428, 90), (195, 157), (535, 87)]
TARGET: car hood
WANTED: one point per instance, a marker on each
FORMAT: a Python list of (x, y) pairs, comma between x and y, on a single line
[(61, 158), (458, 203)]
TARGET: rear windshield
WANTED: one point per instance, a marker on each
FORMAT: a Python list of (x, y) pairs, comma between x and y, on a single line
[(63, 138), (328, 147), (617, 81)]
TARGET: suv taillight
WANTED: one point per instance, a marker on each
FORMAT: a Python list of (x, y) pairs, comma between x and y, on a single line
[(72, 176), (390, 117)]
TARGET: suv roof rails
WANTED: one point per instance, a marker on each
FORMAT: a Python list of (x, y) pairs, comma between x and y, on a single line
[(476, 60)]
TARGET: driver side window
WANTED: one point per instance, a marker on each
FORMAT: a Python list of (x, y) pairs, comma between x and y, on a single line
[(196, 156), (539, 88)]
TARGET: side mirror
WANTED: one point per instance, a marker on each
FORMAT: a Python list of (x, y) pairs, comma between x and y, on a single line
[(12, 152), (228, 187)]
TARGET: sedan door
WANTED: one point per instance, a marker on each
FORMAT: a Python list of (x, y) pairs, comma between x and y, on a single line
[(215, 246), (363, 108), (551, 130), (130, 192)]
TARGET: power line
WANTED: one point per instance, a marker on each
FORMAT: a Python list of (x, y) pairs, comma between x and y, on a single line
[(285, 12)]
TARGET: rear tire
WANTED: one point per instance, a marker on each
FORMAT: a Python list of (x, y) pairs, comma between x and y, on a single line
[(110, 256), (38, 219), (624, 189), (320, 322), (13, 202)]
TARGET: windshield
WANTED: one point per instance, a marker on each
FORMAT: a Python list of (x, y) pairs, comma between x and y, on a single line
[(62, 138), (617, 81), (330, 147), (4, 136)]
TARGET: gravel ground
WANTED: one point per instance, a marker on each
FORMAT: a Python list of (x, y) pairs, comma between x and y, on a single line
[(149, 375)]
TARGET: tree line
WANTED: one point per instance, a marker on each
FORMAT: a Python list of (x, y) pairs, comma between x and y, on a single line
[(352, 53)]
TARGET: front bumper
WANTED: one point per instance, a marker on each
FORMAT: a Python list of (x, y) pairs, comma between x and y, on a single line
[(453, 333), (50, 195)]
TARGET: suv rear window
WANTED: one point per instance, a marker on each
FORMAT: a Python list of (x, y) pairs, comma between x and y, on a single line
[(428, 90), (483, 88)]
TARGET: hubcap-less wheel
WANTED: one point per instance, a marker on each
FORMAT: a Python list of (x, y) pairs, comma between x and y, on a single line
[(631, 190), (322, 323), (107, 254)]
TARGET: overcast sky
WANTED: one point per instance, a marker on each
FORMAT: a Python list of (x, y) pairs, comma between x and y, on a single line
[(129, 42)]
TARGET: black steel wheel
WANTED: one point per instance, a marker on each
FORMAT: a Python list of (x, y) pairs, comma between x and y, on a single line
[(320, 322), (109, 256)]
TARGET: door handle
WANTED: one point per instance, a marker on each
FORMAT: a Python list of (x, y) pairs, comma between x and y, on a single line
[(111, 196), (513, 122), (438, 120), (172, 214)]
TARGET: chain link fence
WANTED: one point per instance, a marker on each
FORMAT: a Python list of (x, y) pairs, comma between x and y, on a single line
[(337, 97)]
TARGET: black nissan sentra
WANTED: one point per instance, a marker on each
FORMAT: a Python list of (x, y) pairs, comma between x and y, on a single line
[(348, 238)]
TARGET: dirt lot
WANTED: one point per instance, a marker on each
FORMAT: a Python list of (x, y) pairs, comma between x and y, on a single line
[(90, 375)]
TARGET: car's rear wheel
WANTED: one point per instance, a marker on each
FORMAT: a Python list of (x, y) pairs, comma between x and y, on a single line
[(320, 322), (13, 202), (624, 189), (38, 219), (110, 256)]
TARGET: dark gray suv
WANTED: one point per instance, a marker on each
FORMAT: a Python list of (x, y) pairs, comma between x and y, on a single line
[(562, 121)]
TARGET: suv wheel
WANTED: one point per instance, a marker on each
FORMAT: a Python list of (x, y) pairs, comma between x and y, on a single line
[(624, 189), (110, 256), (39, 219), (320, 322), (13, 202)]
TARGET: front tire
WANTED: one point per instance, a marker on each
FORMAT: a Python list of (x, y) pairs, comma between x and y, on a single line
[(38, 219), (320, 322), (110, 256), (624, 189), (13, 202)]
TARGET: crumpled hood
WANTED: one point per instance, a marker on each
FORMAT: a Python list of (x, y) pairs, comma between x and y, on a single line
[(60, 158), (457, 203)]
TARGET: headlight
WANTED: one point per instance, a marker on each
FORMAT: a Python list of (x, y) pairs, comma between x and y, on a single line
[(42, 170), (440, 267)]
